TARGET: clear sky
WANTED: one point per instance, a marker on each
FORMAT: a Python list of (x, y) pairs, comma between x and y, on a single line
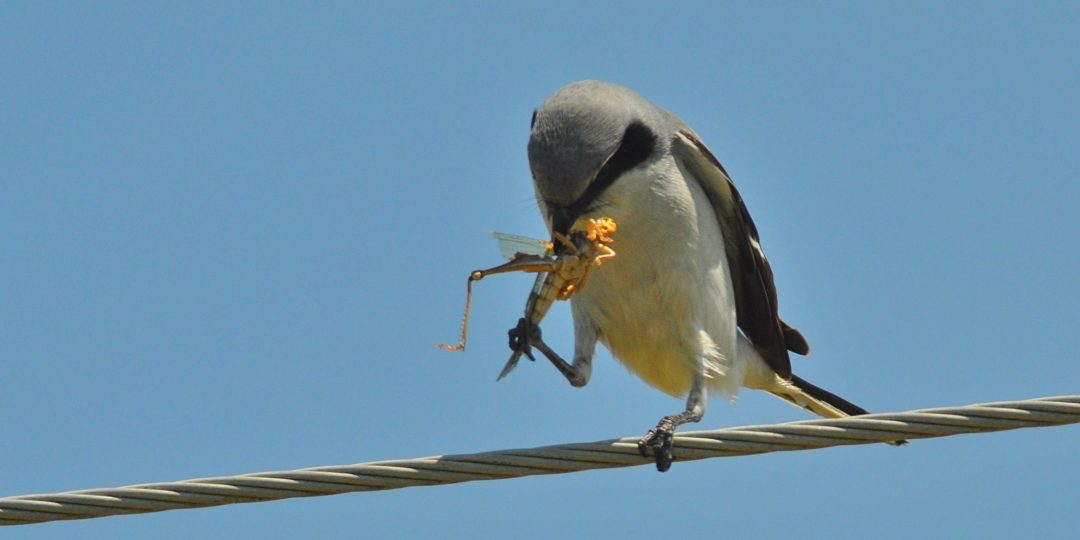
[(231, 235)]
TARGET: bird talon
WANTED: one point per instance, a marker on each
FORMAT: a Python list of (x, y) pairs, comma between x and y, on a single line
[(519, 343), (659, 441)]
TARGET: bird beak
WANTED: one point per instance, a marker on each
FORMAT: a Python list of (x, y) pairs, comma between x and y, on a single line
[(561, 220)]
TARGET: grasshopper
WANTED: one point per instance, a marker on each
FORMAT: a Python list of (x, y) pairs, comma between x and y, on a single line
[(563, 265)]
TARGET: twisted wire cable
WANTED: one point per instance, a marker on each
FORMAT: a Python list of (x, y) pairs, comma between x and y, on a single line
[(436, 470)]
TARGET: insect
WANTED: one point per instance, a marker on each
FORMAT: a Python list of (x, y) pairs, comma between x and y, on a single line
[(563, 265)]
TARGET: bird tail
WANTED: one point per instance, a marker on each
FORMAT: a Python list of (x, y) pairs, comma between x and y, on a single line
[(805, 395)]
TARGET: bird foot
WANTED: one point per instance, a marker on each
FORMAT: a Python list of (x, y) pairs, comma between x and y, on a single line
[(522, 336), (658, 441)]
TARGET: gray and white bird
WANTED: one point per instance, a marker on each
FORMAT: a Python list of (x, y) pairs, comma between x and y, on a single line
[(688, 304)]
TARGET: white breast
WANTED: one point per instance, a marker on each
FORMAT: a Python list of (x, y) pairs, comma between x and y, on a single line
[(664, 305)]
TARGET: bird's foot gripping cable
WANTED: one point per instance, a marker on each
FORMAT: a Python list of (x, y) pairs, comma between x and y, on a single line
[(659, 439), (658, 442)]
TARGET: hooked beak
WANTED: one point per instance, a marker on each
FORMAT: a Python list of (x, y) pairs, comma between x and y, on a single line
[(561, 219)]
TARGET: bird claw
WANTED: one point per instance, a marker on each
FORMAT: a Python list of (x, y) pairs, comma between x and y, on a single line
[(522, 336), (659, 441)]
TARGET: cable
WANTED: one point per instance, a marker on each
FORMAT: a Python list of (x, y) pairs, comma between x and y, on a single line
[(380, 475)]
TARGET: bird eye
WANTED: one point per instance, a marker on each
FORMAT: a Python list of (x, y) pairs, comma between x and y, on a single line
[(532, 123)]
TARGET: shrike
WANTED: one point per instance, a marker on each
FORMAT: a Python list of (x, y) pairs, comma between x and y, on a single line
[(689, 303)]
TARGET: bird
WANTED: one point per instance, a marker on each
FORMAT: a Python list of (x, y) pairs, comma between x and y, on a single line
[(689, 303)]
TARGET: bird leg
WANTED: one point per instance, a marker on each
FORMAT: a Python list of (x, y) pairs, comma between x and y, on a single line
[(520, 345), (659, 439)]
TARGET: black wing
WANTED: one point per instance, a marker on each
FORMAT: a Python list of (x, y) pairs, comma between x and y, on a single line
[(752, 278)]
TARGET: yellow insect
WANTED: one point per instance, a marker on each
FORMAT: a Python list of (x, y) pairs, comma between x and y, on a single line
[(560, 277)]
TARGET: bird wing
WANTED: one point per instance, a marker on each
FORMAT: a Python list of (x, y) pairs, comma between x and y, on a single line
[(752, 278)]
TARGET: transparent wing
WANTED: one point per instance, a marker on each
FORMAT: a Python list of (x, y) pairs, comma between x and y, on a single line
[(512, 244)]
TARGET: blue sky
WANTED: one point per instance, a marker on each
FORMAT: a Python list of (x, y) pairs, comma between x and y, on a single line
[(231, 236)]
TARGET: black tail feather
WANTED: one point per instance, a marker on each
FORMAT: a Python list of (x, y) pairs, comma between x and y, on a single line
[(831, 399), (822, 394)]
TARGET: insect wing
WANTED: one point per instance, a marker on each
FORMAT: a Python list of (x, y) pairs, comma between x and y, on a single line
[(512, 244)]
